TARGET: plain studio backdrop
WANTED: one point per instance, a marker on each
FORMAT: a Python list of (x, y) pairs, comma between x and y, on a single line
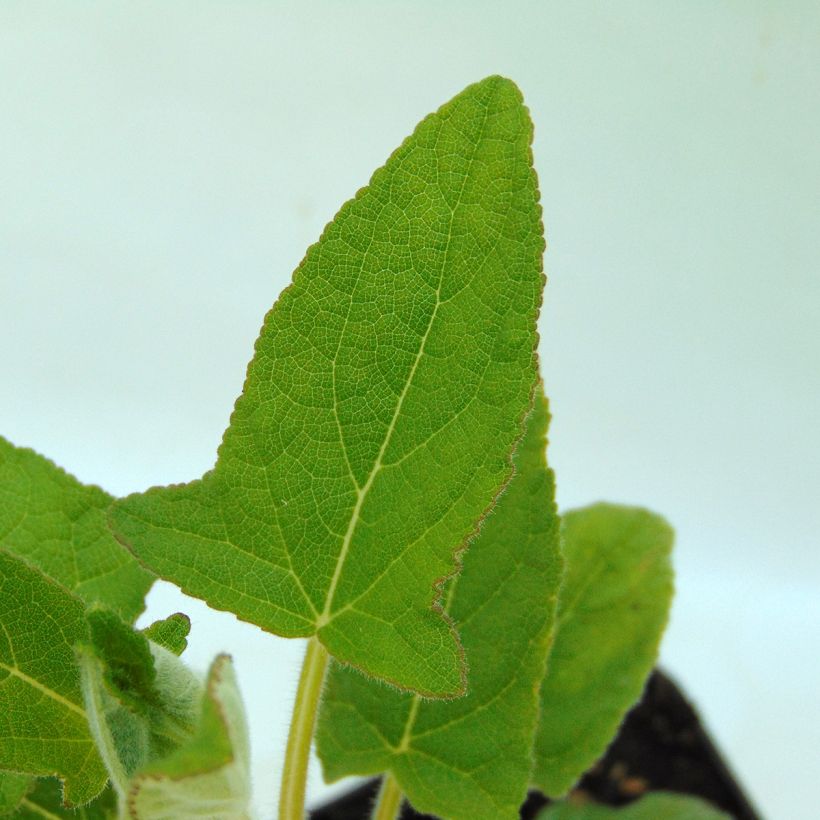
[(163, 168)]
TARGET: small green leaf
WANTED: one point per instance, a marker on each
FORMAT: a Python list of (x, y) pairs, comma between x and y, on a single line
[(13, 788), (45, 802), (59, 525), (655, 806), (612, 612), (128, 662), (142, 701), (171, 632), (209, 776), (387, 389), (43, 726), (469, 758)]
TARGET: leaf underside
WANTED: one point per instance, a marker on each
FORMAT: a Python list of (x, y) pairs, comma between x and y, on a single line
[(470, 758), (386, 392), (209, 775), (43, 726), (59, 525), (655, 806), (612, 611)]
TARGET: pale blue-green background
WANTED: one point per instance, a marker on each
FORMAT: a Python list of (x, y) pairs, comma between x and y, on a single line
[(164, 166)]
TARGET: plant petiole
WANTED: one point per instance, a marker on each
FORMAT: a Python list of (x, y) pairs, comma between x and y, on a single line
[(297, 756), (388, 804)]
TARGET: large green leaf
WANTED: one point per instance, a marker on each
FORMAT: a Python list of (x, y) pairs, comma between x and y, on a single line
[(387, 389), (656, 806), (43, 726), (207, 777), (612, 612), (469, 758), (59, 525)]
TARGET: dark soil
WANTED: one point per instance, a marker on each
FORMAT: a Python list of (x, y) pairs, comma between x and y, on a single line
[(660, 746)]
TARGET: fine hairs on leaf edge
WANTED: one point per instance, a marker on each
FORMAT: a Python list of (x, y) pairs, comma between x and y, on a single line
[(435, 604)]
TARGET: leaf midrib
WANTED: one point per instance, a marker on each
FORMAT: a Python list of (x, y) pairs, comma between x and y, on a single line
[(362, 492)]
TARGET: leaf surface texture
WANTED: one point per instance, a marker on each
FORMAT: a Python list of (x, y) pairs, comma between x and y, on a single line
[(44, 801), (43, 725), (469, 758), (387, 389), (13, 788), (59, 525), (171, 632), (612, 611)]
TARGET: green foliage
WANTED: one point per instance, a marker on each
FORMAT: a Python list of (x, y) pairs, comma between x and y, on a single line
[(173, 749), (171, 632), (655, 806), (375, 438), (612, 611), (59, 525), (43, 725), (142, 701), (375, 427), (128, 662), (45, 801), (469, 758), (13, 788), (209, 774)]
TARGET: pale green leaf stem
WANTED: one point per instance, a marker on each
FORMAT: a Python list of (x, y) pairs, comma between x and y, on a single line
[(387, 389), (389, 800), (91, 680), (300, 736)]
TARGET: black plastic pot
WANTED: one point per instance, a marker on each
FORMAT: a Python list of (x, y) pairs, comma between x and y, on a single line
[(661, 746)]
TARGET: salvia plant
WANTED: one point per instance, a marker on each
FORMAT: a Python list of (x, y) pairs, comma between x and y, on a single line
[(381, 491)]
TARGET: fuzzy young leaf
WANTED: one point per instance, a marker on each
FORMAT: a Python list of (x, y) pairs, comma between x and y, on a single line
[(59, 525), (171, 632), (128, 662), (656, 806), (142, 701), (611, 614), (43, 725), (388, 387), (45, 801), (469, 758), (13, 788), (209, 775)]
